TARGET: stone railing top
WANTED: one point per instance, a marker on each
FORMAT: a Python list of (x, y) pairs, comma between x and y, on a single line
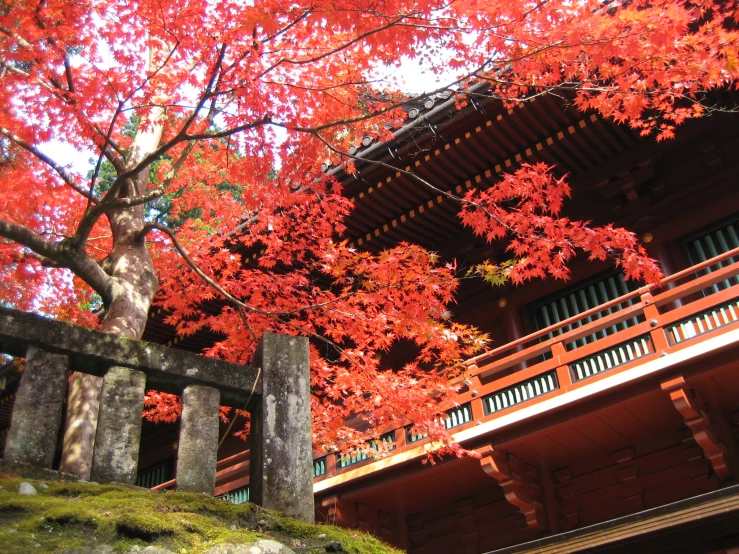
[(89, 351)]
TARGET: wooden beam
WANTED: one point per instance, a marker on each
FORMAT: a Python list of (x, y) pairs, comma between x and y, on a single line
[(686, 523)]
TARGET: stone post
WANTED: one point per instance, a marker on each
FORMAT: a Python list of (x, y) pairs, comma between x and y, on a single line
[(198, 446), (116, 454), (281, 466), (37, 413)]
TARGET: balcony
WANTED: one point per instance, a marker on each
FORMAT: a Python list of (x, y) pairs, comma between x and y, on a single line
[(641, 334)]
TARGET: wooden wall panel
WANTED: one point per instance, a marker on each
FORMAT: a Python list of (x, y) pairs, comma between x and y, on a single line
[(477, 525), (633, 483), (377, 522)]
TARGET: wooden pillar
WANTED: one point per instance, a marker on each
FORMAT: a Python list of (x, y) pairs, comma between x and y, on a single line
[(198, 444), (116, 454), (281, 468), (37, 413)]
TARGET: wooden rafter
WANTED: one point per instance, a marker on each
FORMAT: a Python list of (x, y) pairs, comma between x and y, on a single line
[(475, 181)]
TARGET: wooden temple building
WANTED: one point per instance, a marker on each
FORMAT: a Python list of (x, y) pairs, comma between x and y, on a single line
[(606, 415)]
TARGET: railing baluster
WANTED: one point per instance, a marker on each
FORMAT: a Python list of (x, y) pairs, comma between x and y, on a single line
[(625, 290), (604, 294), (522, 392), (118, 434), (197, 453)]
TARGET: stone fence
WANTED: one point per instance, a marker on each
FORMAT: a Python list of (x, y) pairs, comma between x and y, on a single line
[(276, 392)]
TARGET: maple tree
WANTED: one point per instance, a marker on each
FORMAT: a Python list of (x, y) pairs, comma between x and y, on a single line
[(180, 101)]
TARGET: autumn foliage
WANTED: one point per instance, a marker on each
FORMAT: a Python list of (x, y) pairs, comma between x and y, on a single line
[(527, 205), (213, 119)]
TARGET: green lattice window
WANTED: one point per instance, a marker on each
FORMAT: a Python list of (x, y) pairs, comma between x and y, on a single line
[(153, 475), (711, 242), (355, 456)]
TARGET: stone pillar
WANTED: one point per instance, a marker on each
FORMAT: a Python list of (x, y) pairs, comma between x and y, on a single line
[(281, 467), (37, 413), (83, 404), (198, 446), (118, 435)]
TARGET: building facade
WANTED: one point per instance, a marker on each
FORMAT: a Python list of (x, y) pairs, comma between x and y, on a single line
[(605, 417)]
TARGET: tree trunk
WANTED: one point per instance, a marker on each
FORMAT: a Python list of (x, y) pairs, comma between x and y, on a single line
[(134, 284), (81, 423)]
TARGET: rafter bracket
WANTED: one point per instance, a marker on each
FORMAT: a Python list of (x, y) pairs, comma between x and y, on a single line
[(703, 426), (520, 484)]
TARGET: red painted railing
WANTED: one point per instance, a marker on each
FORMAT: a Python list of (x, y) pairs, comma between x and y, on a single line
[(669, 316)]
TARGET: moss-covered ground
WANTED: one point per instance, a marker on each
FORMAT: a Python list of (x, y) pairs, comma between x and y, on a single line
[(69, 515)]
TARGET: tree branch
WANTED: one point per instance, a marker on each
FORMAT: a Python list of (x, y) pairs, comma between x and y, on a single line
[(61, 254), (66, 177), (134, 200)]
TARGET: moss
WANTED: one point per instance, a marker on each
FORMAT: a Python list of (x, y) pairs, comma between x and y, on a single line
[(144, 526), (13, 506), (85, 489), (69, 515), (297, 529)]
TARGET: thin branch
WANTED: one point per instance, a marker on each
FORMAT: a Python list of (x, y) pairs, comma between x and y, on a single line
[(289, 26), (103, 149), (30, 238), (68, 72), (61, 92), (238, 304), (246, 404), (89, 219), (173, 237), (344, 46), (266, 120)]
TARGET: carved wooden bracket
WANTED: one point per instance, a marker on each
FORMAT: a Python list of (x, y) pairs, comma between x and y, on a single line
[(700, 423), (519, 482), (340, 512)]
